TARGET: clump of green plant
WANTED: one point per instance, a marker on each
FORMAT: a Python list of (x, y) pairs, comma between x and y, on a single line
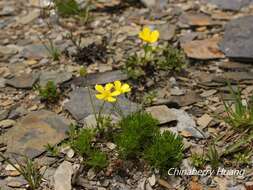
[(138, 132), (82, 142), (97, 160), (52, 150), (243, 158), (53, 51), (49, 92), (154, 57), (171, 59), (213, 156), (68, 8), (149, 97), (166, 151), (198, 160), (28, 169), (239, 115)]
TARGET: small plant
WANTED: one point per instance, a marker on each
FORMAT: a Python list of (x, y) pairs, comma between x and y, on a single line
[(213, 156), (52, 150), (53, 51), (197, 160), (154, 57), (138, 132), (82, 144), (166, 152), (243, 158), (149, 97), (68, 8), (97, 160), (48, 93), (241, 115), (28, 169), (171, 59)]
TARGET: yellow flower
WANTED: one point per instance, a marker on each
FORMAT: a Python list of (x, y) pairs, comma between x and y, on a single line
[(121, 88), (149, 36), (106, 93)]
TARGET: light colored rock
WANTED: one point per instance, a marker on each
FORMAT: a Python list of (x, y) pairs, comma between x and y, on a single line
[(162, 113), (7, 123), (204, 120), (32, 15), (62, 176)]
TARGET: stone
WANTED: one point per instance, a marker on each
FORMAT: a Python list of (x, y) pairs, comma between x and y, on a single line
[(37, 129), (2, 82), (232, 76), (100, 78), (162, 113), (234, 66), (203, 49), (185, 124), (80, 105), (196, 19), (233, 5), (26, 19), (8, 50), (204, 120), (238, 39), (7, 123), (62, 176), (177, 91), (208, 93), (24, 80), (167, 31), (152, 180), (3, 114), (7, 11), (34, 51), (57, 77)]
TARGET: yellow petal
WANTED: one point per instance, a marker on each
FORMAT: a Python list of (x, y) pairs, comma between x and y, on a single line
[(116, 93), (125, 88), (99, 88), (154, 36), (117, 85), (108, 86), (111, 99), (100, 96), (145, 33)]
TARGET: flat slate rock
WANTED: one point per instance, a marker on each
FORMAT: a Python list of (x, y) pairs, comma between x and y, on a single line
[(203, 49), (162, 113), (233, 5), (196, 19), (238, 39), (34, 51), (30, 135), (24, 81), (80, 105), (100, 78), (57, 77)]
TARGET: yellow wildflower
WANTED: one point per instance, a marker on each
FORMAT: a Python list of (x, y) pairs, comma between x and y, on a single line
[(121, 88), (149, 36), (106, 93)]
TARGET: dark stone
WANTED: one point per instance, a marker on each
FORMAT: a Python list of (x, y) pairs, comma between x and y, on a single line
[(34, 131), (100, 78), (233, 5), (238, 39), (25, 81)]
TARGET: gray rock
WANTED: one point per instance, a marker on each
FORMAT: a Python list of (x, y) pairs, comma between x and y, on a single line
[(32, 15), (100, 78), (186, 124), (57, 77), (167, 31), (80, 105), (2, 82), (234, 5), (34, 51), (62, 176), (3, 114), (238, 39), (162, 113), (7, 11), (30, 135), (18, 112), (24, 80)]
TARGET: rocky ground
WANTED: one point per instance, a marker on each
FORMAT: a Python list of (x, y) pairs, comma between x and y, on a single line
[(215, 35)]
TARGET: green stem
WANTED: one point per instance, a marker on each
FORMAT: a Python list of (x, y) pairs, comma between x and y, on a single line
[(93, 108)]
